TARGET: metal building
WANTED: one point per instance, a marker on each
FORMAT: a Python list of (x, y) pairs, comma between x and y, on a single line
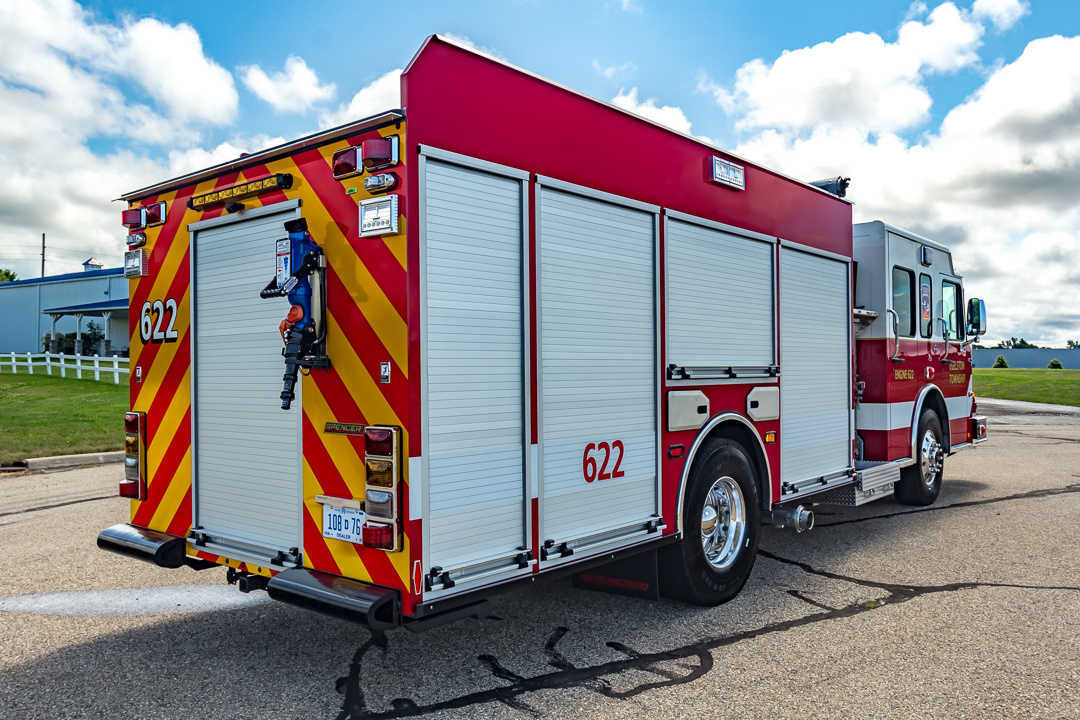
[(58, 304)]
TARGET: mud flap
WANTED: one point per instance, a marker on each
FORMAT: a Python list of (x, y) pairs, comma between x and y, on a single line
[(634, 576)]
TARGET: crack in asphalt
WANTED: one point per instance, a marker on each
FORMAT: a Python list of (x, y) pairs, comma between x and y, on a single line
[(1046, 492), (57, 505), (595, 677)]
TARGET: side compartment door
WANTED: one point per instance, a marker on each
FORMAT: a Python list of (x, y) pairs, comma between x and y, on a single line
[(473, 346), (815, 363), (598, 370)]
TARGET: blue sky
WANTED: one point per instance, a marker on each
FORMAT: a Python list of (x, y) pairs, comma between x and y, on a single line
[(956, 119)]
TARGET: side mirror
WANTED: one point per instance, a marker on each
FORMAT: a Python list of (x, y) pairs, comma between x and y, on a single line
[(976, 317)]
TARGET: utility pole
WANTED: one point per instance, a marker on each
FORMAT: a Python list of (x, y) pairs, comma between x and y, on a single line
[(42, 254)]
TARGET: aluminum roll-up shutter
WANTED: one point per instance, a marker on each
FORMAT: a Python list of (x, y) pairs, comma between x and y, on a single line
[(815, 361), (473, 347), (247, 449), (597, 365), (720, 298)]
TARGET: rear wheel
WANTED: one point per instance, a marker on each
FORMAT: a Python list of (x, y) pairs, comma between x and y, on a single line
[(711, 563), (920, 483)]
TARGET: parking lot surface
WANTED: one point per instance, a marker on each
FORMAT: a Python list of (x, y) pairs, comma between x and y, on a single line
[(967, 609)]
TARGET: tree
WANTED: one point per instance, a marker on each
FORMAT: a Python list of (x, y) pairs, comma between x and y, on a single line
[(1014, 344), (1054, 364), (1072, 345), (1000, 362), (8, 275)]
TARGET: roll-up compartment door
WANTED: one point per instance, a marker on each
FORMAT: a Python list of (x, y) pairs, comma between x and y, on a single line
[(597, 367), (247, 449), (720, 298), (815, 360), (474, 371)]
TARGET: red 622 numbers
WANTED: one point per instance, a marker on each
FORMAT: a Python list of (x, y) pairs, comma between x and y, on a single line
[(602, 453)]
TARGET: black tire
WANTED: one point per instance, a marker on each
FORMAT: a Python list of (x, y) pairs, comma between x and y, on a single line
[(686, 571), (920, 483)]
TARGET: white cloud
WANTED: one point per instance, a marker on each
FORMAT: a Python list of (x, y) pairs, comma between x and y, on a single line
[(666, 115), (996, 182), (631, 6), (857, 81), (68, 79), (384, 93), (169, 63), (1002, 13), (296, 90), (946, 41), (615, 72)]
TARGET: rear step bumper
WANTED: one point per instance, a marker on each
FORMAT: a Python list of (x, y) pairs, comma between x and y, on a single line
[(370, 605), (167, 551)]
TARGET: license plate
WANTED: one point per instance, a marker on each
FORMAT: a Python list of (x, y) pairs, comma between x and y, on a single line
[(343, 524)]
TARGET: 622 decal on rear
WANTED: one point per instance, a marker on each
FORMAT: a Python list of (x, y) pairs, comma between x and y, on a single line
[(589, 468), (151, 319)]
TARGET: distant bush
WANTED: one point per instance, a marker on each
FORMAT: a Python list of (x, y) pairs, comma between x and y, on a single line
[(1000, 362), (1055, 364)]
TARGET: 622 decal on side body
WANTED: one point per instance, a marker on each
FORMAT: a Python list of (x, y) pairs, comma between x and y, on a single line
[(151, 318), (589, 468)]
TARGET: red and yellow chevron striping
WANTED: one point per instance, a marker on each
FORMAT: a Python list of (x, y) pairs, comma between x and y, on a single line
[(366, 326)]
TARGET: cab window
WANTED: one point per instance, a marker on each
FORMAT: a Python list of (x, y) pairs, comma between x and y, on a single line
[(952, 304), (903, 300), (926, 306)]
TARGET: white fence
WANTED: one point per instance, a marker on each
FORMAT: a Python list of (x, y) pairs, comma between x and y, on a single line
[(78, 364)]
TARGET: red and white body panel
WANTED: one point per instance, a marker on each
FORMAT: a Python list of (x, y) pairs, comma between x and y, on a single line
[(905, 361), (568, 301)]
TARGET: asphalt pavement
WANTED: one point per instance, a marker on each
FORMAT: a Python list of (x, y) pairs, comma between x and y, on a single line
[(967, 609)]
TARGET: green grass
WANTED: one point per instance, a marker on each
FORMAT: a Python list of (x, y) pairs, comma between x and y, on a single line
[(1049, 386), (42, 416)]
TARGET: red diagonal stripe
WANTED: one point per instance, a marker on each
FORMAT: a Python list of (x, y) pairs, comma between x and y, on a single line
[(368, 346), (159, 407), (181, 522), (315, 547), (340, 402), (326, 472), (166, 473), (177, 288), (372, 251)]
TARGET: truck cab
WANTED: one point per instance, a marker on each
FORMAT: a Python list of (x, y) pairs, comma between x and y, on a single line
[(912, 348)]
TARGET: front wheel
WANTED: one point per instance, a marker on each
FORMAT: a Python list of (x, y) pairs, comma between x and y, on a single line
[(920, 483), (712, 562)]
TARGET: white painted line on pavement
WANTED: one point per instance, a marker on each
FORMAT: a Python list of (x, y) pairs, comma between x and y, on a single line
[(167, 600)]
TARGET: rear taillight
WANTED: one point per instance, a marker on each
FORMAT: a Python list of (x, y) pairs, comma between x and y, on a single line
[(382, 492), (346, 164), (379, 153), (379, 442), (380, 536), (134, 483), (146, 216), (379, 504), (132, 219)]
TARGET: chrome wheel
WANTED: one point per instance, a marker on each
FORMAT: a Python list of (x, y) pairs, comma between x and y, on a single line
[(931, 458), (723, 523)]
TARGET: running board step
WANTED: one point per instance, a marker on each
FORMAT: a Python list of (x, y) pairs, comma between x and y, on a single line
[(369, 605), (873, 481)]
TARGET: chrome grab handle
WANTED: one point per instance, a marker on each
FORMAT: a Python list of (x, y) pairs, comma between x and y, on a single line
[(944, 337), (896, 335)]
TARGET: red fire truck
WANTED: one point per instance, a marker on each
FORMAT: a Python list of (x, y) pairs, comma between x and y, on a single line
[(507, 330)]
